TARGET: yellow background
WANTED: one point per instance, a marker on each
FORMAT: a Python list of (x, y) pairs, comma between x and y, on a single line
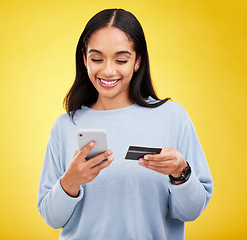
[(198, 51)]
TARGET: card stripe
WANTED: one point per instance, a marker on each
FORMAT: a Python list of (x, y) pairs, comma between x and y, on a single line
[(137, 152)]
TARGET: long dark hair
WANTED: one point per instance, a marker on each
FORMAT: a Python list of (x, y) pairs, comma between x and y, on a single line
[(82, 91)]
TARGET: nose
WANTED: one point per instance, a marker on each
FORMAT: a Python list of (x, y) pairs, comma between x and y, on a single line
[(109, 69)]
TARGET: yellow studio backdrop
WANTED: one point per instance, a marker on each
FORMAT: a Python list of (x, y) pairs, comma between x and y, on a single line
[(198, 58)]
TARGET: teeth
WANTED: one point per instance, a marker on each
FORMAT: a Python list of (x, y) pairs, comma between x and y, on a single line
[(108, 82)]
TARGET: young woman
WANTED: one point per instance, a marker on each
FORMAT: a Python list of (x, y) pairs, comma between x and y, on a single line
[(118, 198)]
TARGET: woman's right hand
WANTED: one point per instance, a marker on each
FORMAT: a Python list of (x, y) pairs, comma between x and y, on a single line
[(81, 171)]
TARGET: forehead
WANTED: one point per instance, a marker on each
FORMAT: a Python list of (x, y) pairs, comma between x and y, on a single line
[(110, 39)]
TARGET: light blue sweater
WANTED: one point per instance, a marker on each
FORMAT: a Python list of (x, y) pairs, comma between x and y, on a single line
[(126, 201)]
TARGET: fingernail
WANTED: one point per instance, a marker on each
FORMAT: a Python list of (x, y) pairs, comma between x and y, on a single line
[(91, 144), (146, 157), (109, 152), (141, 161)]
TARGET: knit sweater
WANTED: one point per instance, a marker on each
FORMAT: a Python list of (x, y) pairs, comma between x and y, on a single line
[(125, 201)]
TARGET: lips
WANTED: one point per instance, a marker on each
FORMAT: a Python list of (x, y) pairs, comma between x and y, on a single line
[(108, 83)]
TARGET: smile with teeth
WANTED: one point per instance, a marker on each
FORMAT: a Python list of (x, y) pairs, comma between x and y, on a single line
[(109, 82)]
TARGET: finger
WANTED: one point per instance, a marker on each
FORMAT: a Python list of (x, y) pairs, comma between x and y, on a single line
[(169, 152), (166, 168), (96, 169), (94, 161), (156, 157), (76, 153), (85, 151), (166, 154), (163, 170), (154, 163)]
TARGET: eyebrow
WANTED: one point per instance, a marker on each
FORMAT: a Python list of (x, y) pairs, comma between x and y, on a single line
[(123, 52), (117, 53)]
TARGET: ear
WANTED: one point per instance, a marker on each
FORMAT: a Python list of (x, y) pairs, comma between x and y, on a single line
[(137, 63)]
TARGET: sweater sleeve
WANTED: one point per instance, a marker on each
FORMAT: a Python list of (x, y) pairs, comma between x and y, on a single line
[(188, 200), (54, 205)]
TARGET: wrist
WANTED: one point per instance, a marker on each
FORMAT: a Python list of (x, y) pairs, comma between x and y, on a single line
[(184, 176), (177, 173), (70, 188)]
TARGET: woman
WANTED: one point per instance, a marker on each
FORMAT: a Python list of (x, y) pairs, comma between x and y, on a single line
[(121, 199)]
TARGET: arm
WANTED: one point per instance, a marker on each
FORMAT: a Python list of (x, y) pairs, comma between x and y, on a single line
[(59, 192), (187, 199), (54, 205)]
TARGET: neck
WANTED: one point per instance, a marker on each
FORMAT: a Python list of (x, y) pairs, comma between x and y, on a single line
[(111, 104)]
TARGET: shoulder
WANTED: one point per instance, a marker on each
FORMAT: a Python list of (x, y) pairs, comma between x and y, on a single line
[(63, 119), (62, 128), (172, 108), (168, 104), (61, 123)]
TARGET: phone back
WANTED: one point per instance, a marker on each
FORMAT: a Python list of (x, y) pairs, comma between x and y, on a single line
[(85, 136)]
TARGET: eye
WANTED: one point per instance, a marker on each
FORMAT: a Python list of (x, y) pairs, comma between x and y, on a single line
[(121, 61), (97, 60)]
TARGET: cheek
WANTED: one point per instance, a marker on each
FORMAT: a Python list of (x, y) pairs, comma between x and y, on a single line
[(91, 70), (127, 70)]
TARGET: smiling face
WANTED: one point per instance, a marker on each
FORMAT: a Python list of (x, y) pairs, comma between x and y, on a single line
[(111, 62)]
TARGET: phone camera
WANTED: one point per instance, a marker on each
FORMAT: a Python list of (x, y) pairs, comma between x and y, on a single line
[(80, 135)]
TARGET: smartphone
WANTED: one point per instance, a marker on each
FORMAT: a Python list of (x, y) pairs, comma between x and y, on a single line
[(85, 136)]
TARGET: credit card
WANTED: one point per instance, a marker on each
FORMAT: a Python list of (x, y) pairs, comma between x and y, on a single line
[(136, 152)]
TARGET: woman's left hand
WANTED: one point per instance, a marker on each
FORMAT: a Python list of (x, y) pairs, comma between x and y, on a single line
[(168, 161)]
